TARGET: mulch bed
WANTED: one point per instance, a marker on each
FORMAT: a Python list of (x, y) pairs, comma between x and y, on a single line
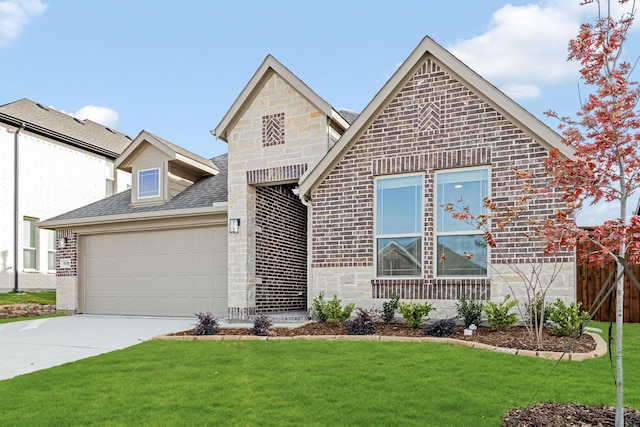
[(512, 337), (568, 415)]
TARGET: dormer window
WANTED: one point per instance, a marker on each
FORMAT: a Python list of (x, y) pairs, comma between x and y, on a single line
[(148, 183)]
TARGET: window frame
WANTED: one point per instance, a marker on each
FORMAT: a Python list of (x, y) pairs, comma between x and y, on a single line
[(33, 232), (471, 232), (419, 234), (52, 249), (158, 194)]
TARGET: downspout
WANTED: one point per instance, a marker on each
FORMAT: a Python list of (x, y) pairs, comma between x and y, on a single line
[(309, 206), (16, 207)]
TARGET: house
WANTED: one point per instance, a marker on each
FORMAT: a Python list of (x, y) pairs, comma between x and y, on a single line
[(320, 201), (50, 163)]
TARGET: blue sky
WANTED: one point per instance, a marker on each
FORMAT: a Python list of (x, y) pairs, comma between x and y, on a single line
[(174, 68)]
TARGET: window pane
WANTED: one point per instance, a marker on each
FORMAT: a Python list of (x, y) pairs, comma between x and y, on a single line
[(148, 183), (456, 263), (29, 258), (51, 237), (399, 205), (51, 260), (464, 188), (400, 257), (29, 233)]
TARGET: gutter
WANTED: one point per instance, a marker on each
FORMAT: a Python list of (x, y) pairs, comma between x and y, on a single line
[(39, 130), (217, 208), (16, 205)]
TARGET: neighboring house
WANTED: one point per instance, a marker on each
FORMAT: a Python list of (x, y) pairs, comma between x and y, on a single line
[(316, 203), (60, 163)]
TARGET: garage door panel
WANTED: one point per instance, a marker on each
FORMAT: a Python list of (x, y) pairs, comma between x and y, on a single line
[(156, 273)]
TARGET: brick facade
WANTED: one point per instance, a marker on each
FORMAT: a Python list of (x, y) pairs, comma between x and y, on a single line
[(433, 123), (281, 250), (70, 252)]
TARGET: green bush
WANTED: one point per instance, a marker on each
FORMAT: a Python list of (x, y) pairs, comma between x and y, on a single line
[(566, 320), (319, 309), (415, 313), (331, 311), (389, 308), (470, 310), (498, 314)]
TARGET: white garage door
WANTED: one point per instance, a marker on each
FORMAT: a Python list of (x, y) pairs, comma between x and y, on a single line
[(155, 273)]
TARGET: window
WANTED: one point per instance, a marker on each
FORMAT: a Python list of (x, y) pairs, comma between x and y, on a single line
[(462, 244), (148, 183), (51, 250), (29, 242), (399, 214), (110, 184)]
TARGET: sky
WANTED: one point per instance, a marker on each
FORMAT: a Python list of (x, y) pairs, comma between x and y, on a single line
[(174, 68)]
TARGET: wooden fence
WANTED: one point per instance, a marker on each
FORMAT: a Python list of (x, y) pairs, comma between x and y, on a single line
[(589, 281)]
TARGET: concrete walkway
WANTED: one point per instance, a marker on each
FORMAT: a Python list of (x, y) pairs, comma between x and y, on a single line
[(32, 345)]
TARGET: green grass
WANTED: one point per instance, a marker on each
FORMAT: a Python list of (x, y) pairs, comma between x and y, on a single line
[(27, 297), (305, 383), (22, 319)]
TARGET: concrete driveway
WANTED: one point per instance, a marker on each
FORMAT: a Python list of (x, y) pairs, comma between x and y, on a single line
[(39, 344)]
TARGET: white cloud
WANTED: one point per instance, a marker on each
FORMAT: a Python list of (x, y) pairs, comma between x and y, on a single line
[(521, 91), (524, 45), (15, 15), (103, 115)]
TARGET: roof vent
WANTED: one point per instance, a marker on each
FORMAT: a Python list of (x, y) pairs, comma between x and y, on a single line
[(110, 130), (42, 106), (78, 120)]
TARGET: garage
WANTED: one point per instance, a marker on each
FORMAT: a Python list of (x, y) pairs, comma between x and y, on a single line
[(174, 272)]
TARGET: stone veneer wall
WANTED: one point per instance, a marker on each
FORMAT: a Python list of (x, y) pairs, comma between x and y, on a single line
[(433, 123), (281, 250), (298, 135)]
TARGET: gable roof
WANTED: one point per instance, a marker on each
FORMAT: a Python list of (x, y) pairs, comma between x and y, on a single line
[(429, 49), (48, 122), (174, 152), (207, 194), (271, 66)]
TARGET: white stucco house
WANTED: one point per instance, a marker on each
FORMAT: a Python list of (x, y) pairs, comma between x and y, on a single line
[(310, 199), (50, 163)]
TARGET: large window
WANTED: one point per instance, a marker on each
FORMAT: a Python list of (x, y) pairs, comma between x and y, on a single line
[(399, 213), (29, 243), (460, 247), (148, 183)]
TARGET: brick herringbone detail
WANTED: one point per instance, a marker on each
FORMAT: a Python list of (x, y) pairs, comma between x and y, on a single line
[(429, 117), (428, 289), (273, 129), (278, 174)]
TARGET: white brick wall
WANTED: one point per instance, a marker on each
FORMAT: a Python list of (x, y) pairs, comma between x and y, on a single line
[(54, 178)]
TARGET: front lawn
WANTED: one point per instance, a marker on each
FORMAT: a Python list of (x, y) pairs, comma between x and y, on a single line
[(306, 383), (48, 297)]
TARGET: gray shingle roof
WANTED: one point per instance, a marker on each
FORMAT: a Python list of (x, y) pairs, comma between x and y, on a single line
[(202, 193), (349, 116), (49, 120)]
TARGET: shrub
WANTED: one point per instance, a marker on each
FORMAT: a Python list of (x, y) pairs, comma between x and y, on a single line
[(261, 325), (207, 324), (441, 328), (498, 314), (319, 309), (470, 310), (363, 324), (332, 311), (566, 320), (414, 313), (389, 308)]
